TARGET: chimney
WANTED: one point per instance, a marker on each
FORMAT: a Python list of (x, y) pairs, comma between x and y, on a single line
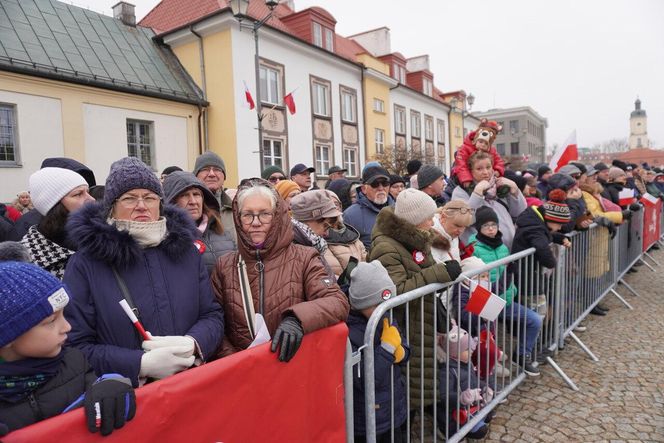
[(124, 12)]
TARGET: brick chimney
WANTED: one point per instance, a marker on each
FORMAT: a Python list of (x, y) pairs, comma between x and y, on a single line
[(124, 12)]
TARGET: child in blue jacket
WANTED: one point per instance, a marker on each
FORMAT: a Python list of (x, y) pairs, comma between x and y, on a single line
[(370, 285)]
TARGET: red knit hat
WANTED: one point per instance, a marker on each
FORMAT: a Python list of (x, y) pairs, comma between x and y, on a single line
[(555, 210)]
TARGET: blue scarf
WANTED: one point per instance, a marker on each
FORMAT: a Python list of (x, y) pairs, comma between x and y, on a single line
[(20, 378)]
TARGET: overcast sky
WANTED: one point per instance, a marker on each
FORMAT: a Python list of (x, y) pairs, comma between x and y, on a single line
[(580, 64)]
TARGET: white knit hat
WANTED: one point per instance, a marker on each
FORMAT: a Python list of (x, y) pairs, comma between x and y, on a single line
[(414, 206), (469, 264), (49, 185)]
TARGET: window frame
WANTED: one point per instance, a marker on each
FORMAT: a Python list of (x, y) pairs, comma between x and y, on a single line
[(271, 155), (13, 132), (427, 86), (418, 117), (317, 34), (352, 167), (315, 104), (399, 122), (319, 162), (379, 144), (328, 39), (264, 98), (377, 101), (428, 121), (512, 146), (440, 134), (139, 146), (344, 94)]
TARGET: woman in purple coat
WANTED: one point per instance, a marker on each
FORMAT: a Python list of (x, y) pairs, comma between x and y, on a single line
[(133, 240)]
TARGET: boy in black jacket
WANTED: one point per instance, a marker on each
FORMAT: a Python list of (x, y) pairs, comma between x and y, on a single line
[(370, 285), (38, 378)]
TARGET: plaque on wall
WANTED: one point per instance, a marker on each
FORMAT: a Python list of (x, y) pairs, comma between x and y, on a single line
[(349, 134), (400, 142), (322, 130), (416, 145), (274, 121), (429, 149)]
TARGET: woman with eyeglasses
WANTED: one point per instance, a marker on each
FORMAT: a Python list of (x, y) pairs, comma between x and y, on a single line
[(270, 275), (132, 247), (56, 193), (184, 190), (484, 192)]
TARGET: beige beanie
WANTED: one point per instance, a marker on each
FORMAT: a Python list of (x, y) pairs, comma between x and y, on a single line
[(414, 206), (615, 173)]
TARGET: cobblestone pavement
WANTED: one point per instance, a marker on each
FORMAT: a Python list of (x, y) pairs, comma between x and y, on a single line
[(621, 397)]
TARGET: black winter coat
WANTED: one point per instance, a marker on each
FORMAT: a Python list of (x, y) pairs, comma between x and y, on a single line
[(611, 191), (73, 378), (383, 361), (23, 224)]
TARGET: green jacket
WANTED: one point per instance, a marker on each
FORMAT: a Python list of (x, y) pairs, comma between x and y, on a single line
[(394, 243), (488, 255)]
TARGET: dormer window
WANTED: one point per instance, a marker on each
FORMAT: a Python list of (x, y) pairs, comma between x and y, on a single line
[(399, 72), (323, 37), (427, 86)]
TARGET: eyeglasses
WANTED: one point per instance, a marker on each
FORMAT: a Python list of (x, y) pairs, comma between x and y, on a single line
[(209, 169), (248, 218), (277, 179), (130, 201), (383, 183), (464, 211), (490, 225)]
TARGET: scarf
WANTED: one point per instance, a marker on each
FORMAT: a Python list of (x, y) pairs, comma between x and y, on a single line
[(494, 243), (45, 253), (202, 226), (316, 240), (454, 252), (20, 378), (146, 234)]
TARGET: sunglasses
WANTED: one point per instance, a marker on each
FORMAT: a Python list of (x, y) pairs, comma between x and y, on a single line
[(383, 183), (276, 179)]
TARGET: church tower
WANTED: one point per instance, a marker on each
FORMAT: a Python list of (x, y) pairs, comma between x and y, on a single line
[(638, 127)]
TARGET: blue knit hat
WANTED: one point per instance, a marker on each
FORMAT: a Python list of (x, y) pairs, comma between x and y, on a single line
[(28, 294), (126, 174)]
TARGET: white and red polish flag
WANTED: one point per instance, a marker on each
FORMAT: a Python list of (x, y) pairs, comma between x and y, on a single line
[(649, 199), (289, 101), (483, 302), (626, 197), (248, 97), (566, 153)]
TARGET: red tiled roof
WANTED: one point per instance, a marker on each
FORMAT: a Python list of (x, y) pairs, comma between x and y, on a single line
[(347, 48)]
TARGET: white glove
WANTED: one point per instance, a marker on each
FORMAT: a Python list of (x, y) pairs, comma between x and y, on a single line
[(169, 341), (162, 362), (487, 396), (470, 396)]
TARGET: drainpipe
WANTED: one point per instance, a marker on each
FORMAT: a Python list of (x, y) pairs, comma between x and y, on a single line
[(364, 120), (200, 132), (201, 56)]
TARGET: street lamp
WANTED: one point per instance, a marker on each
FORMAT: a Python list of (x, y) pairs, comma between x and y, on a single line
[(471, 101), (239, 9)]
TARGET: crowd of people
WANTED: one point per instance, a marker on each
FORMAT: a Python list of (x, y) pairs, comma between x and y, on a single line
[(200, 265)]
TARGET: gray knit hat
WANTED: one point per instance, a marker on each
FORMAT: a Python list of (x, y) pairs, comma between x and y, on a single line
[(414, 206), (370, 285), (126, 174), (209, 158), (427, 175), (177, 182), (14, 251)]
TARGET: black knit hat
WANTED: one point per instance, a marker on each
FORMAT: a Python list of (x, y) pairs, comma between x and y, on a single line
[(601, 166), (484, 214), (542, 170), (396, 178), (413, 166), (427, 175), (561, 181)]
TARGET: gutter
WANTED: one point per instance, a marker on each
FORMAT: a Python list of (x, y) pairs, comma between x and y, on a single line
[(201, 56)]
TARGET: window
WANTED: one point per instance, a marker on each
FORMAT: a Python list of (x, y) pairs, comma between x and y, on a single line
[(329, 39), (638, 142), (395, 71), (514, 148), (272, 153), (269, 79), (501, 124), (348, 102), (8, 135), (399, 120), (428, 87), (322, 159), (514, 126), (139, 140), (402, 74), (457, 131), (379, 105), (321, 99), (428, 127), (318, 35), (415, 125), (441, 130), (380, 140), (500, 147), (350, 161), (399, 72)]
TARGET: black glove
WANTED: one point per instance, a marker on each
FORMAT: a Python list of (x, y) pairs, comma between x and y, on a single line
[(635, 207), (627, 214), (608, 224), (453, 269), (109, 402), (288, 337)]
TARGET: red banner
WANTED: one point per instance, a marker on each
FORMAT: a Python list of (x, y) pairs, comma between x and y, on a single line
[(247, 397), (651, 224)]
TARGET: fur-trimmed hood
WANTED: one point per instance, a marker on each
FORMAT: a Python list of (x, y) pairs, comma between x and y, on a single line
[(89, 230), (411, 237)]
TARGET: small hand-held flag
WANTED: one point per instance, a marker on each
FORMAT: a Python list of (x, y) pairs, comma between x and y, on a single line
[(248, 97), (564, 154), (649, 199), (289, 101), (132, 317), (483, 302), (626, 197)]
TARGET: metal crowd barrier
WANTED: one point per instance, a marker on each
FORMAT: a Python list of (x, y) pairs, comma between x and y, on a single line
[(562, 298)]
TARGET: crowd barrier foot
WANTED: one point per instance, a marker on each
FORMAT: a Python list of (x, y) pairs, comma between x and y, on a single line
[(583, 346), (622, 299), (562, 374), (624, 283), (647, 264), (651, 258)]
